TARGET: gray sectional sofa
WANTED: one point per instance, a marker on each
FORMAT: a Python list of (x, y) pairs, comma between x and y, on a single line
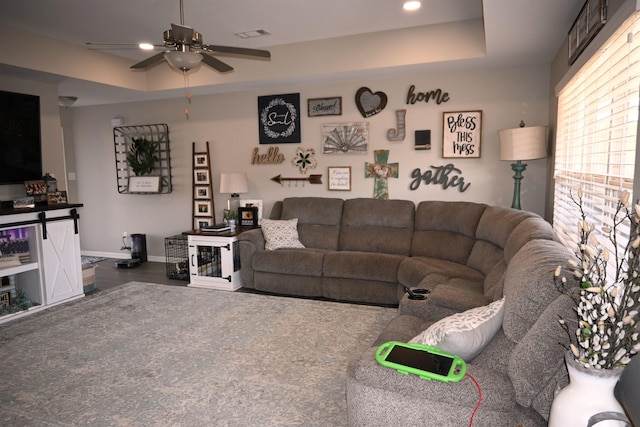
[(467, 255)]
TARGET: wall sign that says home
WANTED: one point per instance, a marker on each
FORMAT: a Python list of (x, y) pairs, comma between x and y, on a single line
[(461, 133), (279, 118)]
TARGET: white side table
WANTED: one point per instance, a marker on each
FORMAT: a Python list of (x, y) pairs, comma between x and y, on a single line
[(214, 259)]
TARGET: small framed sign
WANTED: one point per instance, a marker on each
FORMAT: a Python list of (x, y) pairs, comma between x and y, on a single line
[(340, 178), (324, 106), (248, 216), (144, 184), (461, 134)]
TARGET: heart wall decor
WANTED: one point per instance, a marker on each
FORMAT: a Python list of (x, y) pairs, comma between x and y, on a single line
[(370, 103)]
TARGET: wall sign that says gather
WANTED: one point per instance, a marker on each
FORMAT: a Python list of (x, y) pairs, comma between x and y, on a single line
[(445, 176), (461, 133)]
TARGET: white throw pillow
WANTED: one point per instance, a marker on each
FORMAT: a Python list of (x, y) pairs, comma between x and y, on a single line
[(281, 233), (465, 334)]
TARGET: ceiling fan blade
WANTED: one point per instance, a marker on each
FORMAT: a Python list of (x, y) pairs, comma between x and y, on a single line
[(182, 33), (216, 63), (149, 62), (259, 53)]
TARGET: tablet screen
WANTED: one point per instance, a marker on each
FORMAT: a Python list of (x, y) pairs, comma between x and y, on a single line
[(420, 359)]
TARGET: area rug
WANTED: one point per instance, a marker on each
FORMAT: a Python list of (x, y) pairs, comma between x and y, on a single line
[(145, 354)]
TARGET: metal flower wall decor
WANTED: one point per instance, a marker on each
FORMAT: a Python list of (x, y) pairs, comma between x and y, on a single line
[(304, 159)]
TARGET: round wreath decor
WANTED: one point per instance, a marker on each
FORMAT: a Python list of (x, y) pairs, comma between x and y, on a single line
[(264, 118), (142, 157)]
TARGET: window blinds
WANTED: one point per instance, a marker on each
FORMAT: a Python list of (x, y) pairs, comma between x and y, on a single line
[(596, 134)]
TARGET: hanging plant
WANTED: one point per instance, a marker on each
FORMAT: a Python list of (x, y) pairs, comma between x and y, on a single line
[(142, 157)]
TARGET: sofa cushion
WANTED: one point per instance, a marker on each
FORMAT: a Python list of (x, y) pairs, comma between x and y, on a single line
[(446, 230), (493, 232), (362, 265), (464, 334), (373, 225), (280, 234), (303, 262), (413, 271), (529, 229), (318, 220)]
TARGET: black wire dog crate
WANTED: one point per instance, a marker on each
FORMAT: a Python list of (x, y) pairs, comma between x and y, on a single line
[(177, 257)]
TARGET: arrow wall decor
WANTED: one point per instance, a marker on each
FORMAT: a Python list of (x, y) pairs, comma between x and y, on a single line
[(313, 179)]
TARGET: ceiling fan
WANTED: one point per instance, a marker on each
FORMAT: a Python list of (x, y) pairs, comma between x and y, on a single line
[(184, 50)]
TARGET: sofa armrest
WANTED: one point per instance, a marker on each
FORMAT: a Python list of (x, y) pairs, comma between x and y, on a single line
[(254, 237), (497, 390), (249, 242)]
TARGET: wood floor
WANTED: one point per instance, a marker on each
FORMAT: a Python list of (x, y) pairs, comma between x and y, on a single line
[(108, 276)]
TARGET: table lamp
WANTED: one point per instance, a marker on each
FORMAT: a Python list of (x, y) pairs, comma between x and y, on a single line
[(233, 183), (523, 143)]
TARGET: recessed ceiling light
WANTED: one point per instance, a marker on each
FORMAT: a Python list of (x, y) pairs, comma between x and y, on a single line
[(411, 5), (145, 46)]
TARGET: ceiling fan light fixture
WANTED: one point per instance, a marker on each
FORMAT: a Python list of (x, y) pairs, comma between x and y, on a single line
[(411, 5), (145, 46), (183, 61), (67, 101)]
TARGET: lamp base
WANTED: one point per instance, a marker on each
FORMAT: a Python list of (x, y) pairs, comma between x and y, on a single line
[(518, 168), (233, 203)]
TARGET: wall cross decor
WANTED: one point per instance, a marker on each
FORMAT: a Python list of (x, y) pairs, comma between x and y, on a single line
[(381, 171)]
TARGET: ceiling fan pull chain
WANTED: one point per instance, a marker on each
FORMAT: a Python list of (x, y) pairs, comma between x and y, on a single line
[(187, 94)]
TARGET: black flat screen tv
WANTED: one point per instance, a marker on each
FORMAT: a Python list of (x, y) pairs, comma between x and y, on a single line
[(20, 143)]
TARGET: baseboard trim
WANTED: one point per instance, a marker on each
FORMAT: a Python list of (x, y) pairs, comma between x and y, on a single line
[(117, 255)]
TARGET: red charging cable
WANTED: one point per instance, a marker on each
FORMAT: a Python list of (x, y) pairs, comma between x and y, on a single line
[(473, 414)]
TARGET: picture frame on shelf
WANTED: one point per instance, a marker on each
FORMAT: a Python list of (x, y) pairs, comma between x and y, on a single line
[(201, 176), (246, 203), (202, 192), (202, 208), (24, 202), (57, 198), (35, 187), (248, 216), (461, 134), (200, 160), (339, 178)]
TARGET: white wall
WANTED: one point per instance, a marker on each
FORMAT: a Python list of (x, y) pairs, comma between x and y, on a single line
[(230, 123)]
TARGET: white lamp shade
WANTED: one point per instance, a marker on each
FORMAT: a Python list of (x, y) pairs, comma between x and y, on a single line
[(183, 61), (525, 143), (233, 183)]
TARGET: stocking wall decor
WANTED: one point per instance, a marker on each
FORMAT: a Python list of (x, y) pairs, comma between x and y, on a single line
[(381, 171)]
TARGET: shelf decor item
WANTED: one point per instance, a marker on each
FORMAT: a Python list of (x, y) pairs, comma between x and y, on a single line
[(608, 307)]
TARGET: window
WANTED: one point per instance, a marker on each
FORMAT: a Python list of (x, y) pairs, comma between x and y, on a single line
[(597, 128)]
